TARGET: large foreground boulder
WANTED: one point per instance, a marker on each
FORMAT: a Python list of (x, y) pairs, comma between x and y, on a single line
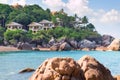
[(117, 77), (115, 45), (93, 70), (58, 69)]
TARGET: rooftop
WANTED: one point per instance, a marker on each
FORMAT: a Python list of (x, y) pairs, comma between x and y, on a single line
[(14, 24), (45, 21), (34, 24)]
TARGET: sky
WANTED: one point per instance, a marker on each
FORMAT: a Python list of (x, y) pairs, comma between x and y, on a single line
[(104, 14)]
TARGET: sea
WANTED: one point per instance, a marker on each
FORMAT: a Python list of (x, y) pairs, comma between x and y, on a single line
[(13, 62)]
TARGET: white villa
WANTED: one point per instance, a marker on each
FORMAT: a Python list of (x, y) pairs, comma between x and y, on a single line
[(34, 27), (14, 26), (47, 24)]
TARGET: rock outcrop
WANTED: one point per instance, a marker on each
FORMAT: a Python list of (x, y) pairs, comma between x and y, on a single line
[(24, 46), (115, 45), (55, 47), (65, 46), (101, 48), (106, 40), (87, 44), (52, 41), (117, 77), (93, 70), (58, 69), (87, 68), (27, 70), (73, 44)]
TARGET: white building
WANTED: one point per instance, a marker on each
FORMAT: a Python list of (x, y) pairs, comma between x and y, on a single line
[(47, 24), (35, 27), (14, 26)]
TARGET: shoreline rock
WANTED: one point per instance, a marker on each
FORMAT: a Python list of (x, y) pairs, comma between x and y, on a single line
[(115, 45), (27, 70)]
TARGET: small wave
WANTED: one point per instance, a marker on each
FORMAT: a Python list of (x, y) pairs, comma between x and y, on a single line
[(11, 73)]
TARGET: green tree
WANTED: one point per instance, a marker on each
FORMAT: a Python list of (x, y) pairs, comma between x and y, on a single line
[(2, 30), (13, 15), (84, 20), (23, 18), (4, 13), (17, 36), (91, 26)]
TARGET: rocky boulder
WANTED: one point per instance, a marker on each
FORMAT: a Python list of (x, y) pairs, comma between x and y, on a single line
[(117, 77), (73, 44), (101, 48), (24, 46), (106, 40), (97, 39), (85, 49), (93, 70), (58, 69), (52, 41), (62, 40), (87, 44), (65, 46), (27, 70), (55, 47), (115, 45)]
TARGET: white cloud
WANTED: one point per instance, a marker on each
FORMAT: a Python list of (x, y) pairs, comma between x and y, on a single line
[(79, 7), (54, 4), (21, 2), (3, 1), (112, 16)]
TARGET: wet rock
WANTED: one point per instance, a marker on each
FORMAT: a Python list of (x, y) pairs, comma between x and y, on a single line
[(93, 70), (27, 70)]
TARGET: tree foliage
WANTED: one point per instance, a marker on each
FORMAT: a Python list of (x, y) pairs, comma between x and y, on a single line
[(2, 30), (29, 13), (17, 35)]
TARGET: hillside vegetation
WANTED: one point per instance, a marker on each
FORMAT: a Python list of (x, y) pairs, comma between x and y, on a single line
[(29, 13)]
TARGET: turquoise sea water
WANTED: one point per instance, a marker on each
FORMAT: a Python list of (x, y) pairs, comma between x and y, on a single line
[(12, 62)]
